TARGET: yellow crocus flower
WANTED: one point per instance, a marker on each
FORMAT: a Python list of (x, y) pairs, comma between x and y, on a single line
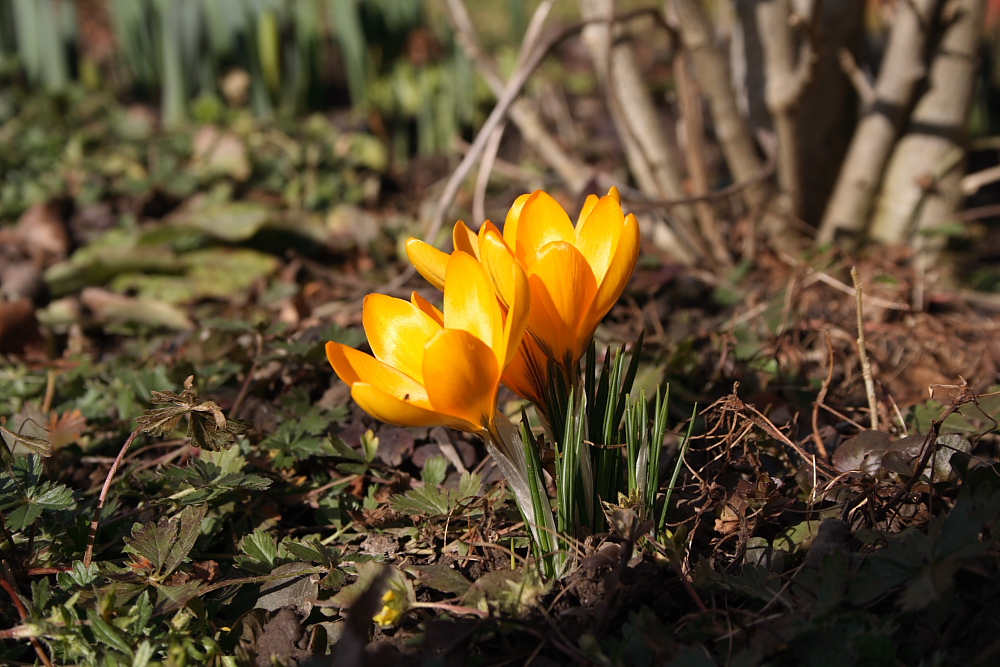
[(431, 367), (575, 274)]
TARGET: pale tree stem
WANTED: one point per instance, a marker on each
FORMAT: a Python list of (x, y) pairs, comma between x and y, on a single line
[(690, 98), (903, 68), (787, 76), (922, 186), (712, 70), (648, 151)]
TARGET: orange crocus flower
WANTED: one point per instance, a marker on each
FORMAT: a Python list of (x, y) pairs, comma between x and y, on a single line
[(575, 274), (431, 367)]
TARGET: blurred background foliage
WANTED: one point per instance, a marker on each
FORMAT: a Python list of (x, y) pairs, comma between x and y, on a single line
[(393, 63)]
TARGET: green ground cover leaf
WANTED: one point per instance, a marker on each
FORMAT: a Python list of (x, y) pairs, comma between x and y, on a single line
[(166, 543), (24, 494), (261, 551), (432, 499)]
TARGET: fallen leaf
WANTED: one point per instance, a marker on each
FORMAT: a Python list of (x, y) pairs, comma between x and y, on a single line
[(111, 308), (18, 326), (42, 233)]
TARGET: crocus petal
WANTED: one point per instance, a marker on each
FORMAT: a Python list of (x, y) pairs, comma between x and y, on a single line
[(526, 375), (462, 376), (542, 221), (588, 205), (516, 321), (513, 215), (354, 366), (427, 307), (597, 237), (469, 301), (397, 332), (464, 239), (487, 228), (619, 272), (498, 260), (402, 412), (562, 292), (429, 262)]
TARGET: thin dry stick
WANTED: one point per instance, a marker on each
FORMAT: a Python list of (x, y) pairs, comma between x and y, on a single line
[(89, 554), (691, 107), (734, 404), (483, 177), (817, 440), (862, 85), (765, 172), (866, 368), (529, 58), (523, 112), (50, 391), (826, 279)]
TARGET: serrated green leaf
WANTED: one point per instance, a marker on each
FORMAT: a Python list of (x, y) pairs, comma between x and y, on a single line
[(469, 485), (40, 594), (23, 496), (166, 543), (434, 470), (305, 552), (23, 516), (52, 496), (261, 547), (142, 610), (434, 500), (82, 575)]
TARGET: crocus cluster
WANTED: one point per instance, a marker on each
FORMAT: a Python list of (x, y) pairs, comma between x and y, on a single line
[(517, 304)]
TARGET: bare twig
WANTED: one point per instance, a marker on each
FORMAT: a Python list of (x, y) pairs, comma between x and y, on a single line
[(483, 177), (839, 286), (765, 172), (95, 523), (921, 188), (820, 398), (974, 181), (862, 84), (691, 107), (648, 151), (712, 69), (523, 112), (734, 403), (866, 368), (50, 391)]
